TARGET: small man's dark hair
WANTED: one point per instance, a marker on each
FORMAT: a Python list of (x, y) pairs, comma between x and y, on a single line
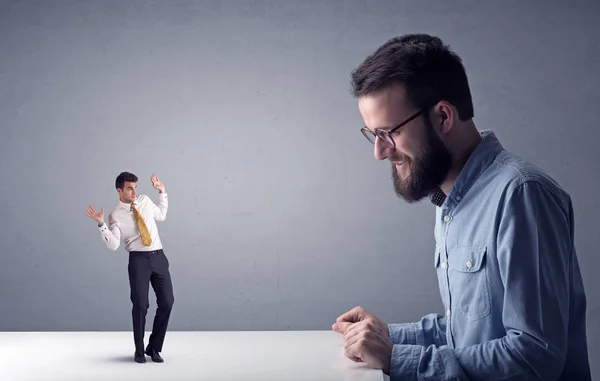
[(125, 177)]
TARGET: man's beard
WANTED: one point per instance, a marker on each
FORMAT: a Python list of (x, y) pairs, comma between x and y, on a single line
[(427, 170)]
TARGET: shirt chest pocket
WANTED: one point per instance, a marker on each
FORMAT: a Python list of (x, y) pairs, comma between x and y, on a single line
[(468, 281)]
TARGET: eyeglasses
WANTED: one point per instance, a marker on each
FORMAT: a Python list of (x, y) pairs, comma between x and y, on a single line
[(386, 135)]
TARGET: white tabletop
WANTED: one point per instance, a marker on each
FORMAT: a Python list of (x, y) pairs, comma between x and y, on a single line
[(244, 355)]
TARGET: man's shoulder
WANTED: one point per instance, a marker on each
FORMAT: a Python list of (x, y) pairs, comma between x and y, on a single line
[(114, 213), (511, 171), (143, 200)]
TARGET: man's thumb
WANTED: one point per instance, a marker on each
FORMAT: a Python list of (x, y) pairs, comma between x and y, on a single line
[(340, 326)]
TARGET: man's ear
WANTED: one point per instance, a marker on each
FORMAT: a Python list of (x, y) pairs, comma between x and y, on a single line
[(444, 117)]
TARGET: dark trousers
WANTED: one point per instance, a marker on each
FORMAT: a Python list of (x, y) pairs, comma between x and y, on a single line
[(150, 267)]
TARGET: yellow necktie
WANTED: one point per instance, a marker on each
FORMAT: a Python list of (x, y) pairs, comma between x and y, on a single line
[(141, 226)]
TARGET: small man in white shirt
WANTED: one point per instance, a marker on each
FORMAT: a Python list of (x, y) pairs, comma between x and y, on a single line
[(133, 221)]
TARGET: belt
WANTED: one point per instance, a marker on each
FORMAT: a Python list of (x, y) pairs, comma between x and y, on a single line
[(147, 252)]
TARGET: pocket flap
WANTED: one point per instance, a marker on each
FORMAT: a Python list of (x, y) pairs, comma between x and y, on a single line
[(466, 259)]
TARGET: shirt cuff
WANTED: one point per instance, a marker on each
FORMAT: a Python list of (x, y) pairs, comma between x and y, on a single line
[(404, 362), (103, 228), (404, 333)]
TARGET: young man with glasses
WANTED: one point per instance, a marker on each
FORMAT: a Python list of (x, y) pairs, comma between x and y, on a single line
[(509, 278)]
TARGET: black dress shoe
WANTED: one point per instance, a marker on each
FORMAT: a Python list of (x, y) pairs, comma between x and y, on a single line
[(139, 358), (154, 355)]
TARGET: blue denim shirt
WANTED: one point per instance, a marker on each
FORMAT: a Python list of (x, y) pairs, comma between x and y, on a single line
[(509, 280)]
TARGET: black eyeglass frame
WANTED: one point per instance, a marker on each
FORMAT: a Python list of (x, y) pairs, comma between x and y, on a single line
[(386, 135)]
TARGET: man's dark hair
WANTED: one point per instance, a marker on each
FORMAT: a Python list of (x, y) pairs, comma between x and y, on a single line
[(123, 177), (429, 71)]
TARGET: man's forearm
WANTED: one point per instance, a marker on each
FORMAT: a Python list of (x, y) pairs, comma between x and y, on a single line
[(109, 237), (160, 210), (515, 356)]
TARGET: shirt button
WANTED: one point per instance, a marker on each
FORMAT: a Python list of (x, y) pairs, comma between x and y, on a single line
[(458, 198), (444, 264), (469, 264), (446, 218), (448, 314)]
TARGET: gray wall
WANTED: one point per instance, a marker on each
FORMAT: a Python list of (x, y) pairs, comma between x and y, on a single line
[(280, 218)]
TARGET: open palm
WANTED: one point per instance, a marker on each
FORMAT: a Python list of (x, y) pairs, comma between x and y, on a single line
[(156, 183), (98, 216)]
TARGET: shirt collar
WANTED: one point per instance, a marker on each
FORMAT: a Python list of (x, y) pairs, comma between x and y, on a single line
[(127, 206), (123, 205), (481, 158)]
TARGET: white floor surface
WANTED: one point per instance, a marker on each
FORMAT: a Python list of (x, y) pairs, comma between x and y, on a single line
[(254, 355)]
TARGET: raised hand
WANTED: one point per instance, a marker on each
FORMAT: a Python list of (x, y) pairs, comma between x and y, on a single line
[(98, 216), (156, 183)]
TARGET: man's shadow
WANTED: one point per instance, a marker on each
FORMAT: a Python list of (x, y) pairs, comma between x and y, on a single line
[(121, 359)]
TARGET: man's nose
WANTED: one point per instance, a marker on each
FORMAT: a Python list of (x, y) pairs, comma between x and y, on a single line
[(382, 150)]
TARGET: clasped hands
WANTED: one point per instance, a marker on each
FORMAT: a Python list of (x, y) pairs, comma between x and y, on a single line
[(366, 338)]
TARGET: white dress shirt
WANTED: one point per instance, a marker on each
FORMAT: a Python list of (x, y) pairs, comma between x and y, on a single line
[(122, 225)]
